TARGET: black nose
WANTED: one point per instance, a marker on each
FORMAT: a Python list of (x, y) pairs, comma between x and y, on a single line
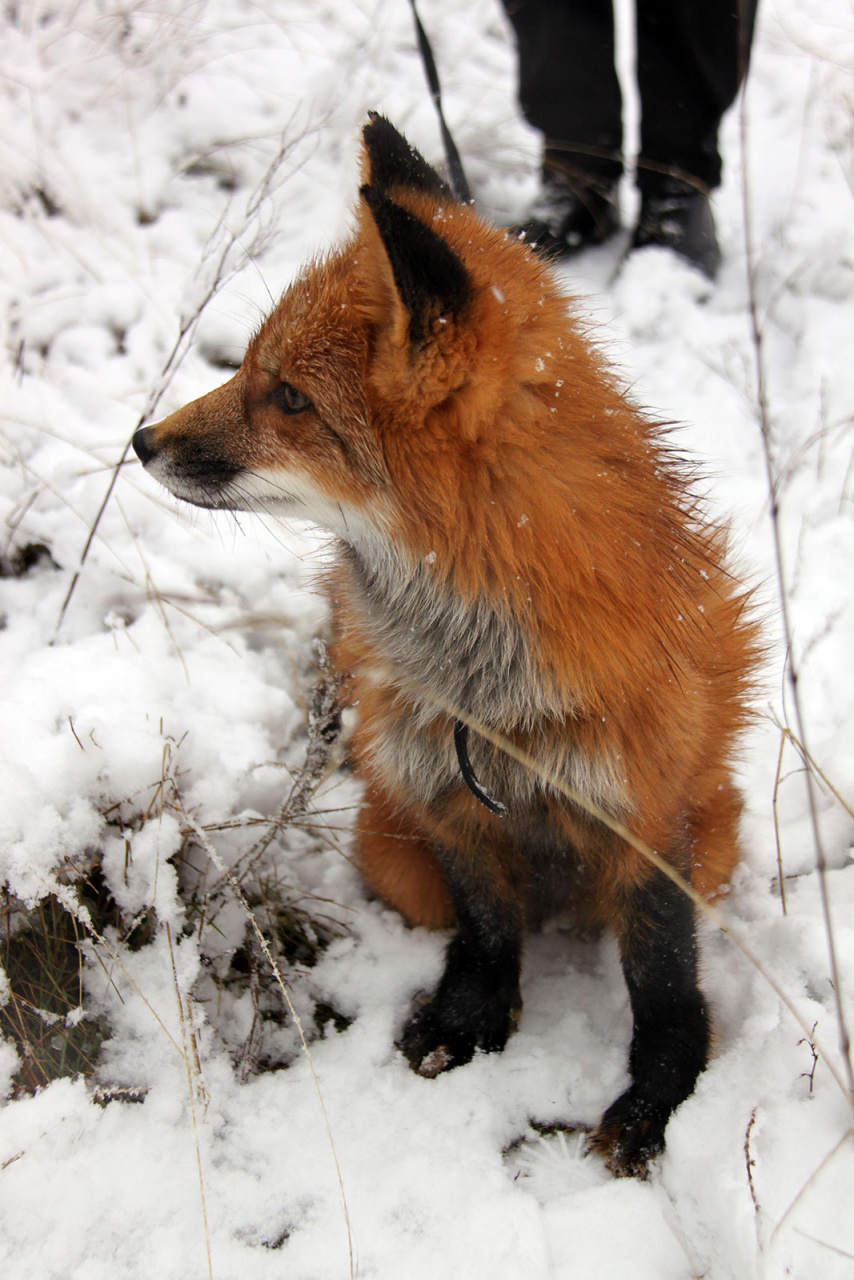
[(143, 443)]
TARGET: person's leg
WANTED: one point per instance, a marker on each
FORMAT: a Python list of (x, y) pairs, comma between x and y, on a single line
[(691, 60), (568, 88), (569, 91)]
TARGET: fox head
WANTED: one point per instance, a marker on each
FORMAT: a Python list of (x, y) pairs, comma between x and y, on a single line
[(377, 393)]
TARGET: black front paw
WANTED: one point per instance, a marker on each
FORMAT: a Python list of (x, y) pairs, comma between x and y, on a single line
[(450, 1029), (477, 1003), (630, 1134)]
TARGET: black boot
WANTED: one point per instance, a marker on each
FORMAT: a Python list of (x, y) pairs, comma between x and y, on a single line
[(572, 212), (678, 216)]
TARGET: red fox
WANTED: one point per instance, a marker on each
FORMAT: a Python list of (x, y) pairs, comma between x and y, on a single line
[(518, 550)]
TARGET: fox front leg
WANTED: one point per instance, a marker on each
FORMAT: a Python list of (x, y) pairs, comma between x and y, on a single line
[(478, 1002), (670, 1038)]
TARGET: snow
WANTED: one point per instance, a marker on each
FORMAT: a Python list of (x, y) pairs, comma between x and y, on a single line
[(155, 159)]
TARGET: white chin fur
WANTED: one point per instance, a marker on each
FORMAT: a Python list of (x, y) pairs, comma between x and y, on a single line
[(161, 470), (284, 493), (277, 493)]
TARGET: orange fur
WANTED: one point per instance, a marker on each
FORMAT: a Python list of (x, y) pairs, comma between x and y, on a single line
[(502, 459)]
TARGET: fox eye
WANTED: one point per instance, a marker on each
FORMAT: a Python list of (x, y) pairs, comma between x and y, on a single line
[(289, 399)]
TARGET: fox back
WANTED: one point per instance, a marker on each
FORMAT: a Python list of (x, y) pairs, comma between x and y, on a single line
[(518, 552)]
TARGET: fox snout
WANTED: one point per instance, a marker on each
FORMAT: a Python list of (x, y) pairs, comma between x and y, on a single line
[(196, 468), (145, 445)]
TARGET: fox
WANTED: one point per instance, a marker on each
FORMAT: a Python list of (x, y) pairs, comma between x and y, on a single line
[(521, 570)]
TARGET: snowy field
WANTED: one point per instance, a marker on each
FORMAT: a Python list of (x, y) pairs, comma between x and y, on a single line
[(165, 168)]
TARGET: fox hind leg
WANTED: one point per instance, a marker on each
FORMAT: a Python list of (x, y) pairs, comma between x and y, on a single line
[(715, 836), (400, 865)]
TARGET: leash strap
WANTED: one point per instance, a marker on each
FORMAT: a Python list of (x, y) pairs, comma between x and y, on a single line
[(461, 734), (456, 172)]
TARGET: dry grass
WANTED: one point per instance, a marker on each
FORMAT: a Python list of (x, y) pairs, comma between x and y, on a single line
[(43, 954)]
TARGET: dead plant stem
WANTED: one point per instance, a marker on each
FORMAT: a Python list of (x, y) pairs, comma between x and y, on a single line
[(191, 1061), (262, 192), (792, 667), (224, 871)]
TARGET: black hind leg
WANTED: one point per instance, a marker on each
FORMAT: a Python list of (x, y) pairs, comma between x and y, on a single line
[(670, 1039), (478, 1002)]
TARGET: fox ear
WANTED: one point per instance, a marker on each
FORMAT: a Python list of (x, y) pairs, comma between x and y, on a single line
[(429, 278), (389, 161)]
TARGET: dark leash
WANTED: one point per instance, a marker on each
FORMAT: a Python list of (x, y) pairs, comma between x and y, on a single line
[(461, 734), (456, 172)]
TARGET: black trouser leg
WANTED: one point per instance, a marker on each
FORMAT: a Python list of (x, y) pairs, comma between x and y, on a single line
[(692, 56), (568, 87)]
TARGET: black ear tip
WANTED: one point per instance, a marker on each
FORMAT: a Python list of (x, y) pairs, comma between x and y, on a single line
[(387, 146), (394, 162), (377, 120), (380, 131)]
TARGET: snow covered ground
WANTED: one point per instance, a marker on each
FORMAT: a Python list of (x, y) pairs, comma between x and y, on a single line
[(164, 169)]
